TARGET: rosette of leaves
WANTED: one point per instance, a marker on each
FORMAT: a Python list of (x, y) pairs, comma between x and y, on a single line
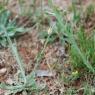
[(8, 25)]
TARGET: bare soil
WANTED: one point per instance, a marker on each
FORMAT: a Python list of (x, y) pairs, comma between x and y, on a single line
[(29, 45)]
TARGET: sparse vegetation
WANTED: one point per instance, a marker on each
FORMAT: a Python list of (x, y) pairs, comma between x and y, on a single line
[(56, 49)]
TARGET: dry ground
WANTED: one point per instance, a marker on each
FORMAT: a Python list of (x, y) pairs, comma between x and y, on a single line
[(29, 45)]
